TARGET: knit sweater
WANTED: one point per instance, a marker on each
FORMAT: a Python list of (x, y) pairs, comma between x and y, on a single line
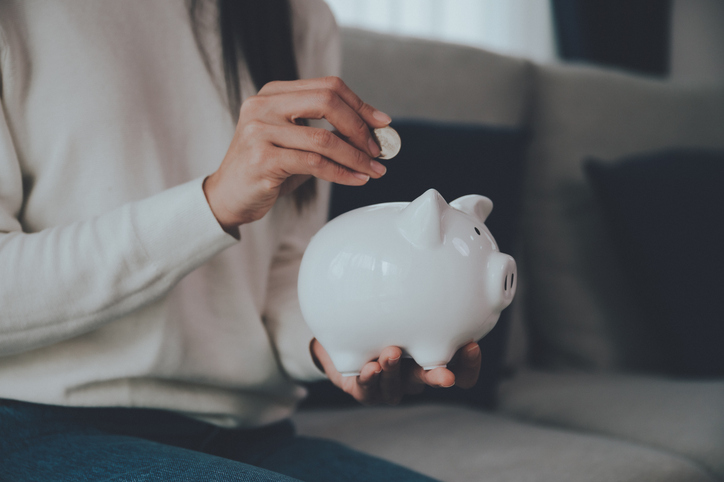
[(118, 287)]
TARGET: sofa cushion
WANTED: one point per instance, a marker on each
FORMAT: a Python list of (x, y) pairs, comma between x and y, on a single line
[(456, 159), (580, 310), (407, 77), (683, 417), (458, 444), (666, 213)]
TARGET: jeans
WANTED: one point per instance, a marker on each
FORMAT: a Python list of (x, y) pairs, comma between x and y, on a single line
[(49, 443)]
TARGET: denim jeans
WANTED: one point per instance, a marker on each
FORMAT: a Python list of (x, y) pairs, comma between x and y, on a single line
[(49, 443)]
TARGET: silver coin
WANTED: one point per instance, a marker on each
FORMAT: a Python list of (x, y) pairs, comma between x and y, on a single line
[(389, 141)]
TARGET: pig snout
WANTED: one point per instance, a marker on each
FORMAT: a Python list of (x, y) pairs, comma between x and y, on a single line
[(502, 280)]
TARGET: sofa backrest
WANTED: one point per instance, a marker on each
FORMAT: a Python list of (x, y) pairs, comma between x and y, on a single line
[(413, 78), (579, 306)]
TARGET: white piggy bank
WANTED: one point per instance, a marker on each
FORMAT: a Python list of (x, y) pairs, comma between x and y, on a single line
[(425, 276)]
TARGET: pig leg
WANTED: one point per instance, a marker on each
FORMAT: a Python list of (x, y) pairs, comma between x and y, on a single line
[(349, 363), (432, 356)]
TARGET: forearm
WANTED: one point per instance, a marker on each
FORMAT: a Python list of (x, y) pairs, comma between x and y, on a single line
[(68, 280)]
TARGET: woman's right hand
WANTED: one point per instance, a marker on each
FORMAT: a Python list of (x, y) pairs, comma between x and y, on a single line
[(272, 152)]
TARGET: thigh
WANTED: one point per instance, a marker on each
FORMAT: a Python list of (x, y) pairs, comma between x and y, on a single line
[(36, 447), (319, 460)]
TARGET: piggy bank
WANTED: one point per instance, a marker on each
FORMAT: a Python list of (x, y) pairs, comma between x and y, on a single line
[(426, 276)]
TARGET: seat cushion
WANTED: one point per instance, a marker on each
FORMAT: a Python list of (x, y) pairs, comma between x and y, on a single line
[(674, 416), (458, 444)]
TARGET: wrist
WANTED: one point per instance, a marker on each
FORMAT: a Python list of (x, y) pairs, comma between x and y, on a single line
[(210, 190)]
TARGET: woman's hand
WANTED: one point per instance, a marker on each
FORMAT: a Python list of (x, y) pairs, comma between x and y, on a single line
[(272, 153), (390, 377)]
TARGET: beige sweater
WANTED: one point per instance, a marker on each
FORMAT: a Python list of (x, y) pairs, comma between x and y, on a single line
[(117, 286)]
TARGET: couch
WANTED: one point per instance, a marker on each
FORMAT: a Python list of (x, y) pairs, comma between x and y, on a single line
[(586, 394)]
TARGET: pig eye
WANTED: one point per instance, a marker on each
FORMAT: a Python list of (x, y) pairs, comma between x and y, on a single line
[(477, 231)]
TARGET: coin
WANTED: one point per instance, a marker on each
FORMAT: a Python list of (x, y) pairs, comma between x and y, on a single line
[(389, 142)]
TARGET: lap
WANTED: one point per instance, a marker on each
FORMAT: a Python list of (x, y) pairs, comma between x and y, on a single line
[(64, 452), (55, 443)]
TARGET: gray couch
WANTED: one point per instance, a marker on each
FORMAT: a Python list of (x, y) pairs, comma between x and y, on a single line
[(582, 403)]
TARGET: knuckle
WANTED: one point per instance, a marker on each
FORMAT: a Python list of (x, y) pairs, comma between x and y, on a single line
[(314, 161), (267, 184), (335, 83), (251, 102), (323, 139), (327, 97), (361, 159), (340, 172), (357, 103), (361, 127), (251, 106), (253, 129), (274, 84)]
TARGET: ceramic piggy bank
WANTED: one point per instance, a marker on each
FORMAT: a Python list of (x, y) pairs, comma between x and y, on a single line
[(425, 276)]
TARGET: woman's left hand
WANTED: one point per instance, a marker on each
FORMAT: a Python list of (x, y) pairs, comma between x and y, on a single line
[(390, 377)]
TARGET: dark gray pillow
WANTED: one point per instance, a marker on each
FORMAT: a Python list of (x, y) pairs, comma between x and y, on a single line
[(666, 213)]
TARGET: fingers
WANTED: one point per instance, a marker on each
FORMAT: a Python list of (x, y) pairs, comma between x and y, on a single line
[(437, 377), (328, 145), (462, 372), (372, 116), (391, 383), (306, 162), (287, 108), (365, 388), (467, 368), (327, 98), (389, 378)]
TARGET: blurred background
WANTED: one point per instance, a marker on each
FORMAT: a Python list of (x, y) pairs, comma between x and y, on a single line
[(682, 40)]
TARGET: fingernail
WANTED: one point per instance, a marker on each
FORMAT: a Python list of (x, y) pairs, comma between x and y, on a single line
[(374, 148), (378, 168), (360, 176), (393, 361), (381, 116), (472, 352), (448, 386)]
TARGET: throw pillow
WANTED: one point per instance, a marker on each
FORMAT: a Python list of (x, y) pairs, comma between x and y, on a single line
[(666, 213)]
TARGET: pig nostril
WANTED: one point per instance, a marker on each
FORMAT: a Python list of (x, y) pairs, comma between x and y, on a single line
[(505, 288), (512, 279), (477, 231)]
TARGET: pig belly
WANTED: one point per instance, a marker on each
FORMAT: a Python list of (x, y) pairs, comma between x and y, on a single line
[(427, 335)]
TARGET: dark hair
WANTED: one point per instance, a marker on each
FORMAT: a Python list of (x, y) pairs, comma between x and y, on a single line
[(259, 32)]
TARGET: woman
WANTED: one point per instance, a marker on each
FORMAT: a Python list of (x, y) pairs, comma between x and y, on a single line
[(149, 326)]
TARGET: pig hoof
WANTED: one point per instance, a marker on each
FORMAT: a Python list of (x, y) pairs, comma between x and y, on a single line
[(350, 374), (348, 364)]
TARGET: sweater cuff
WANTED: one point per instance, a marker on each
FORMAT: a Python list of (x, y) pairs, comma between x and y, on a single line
[(177, 229)]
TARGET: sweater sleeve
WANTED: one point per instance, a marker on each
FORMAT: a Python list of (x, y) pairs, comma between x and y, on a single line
[(67, 280), (317, 46)]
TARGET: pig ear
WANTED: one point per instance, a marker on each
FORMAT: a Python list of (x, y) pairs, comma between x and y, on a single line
[(475, 205), (419, 221)]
